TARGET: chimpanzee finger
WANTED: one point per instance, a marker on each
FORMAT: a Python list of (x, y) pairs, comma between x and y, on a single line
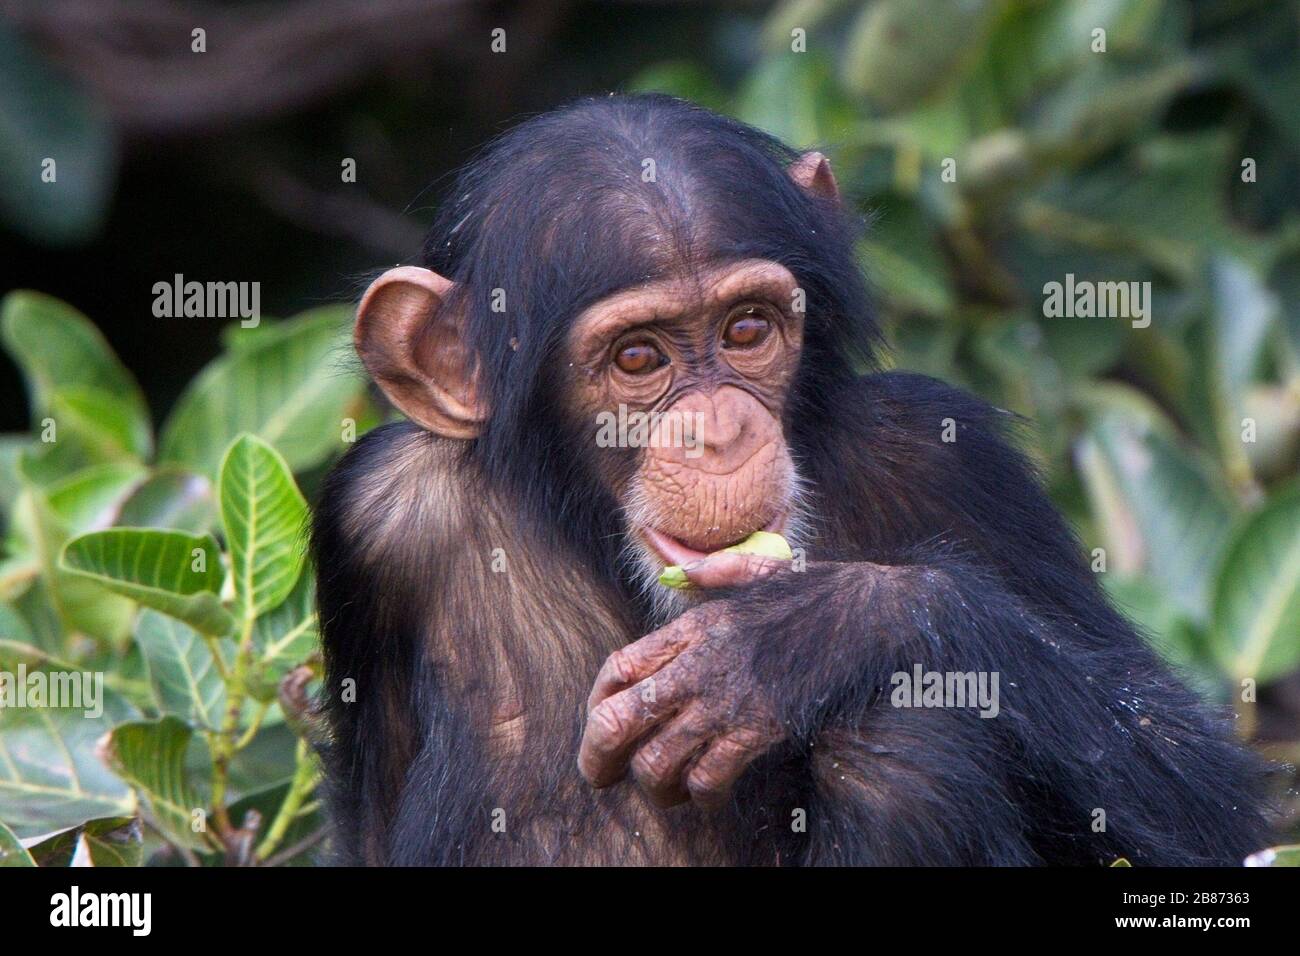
[(638, 660), (618, 722), (661, 759), (711, 777), (729, 570)]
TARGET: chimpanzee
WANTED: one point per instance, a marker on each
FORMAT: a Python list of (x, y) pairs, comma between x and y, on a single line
[(506, 681)]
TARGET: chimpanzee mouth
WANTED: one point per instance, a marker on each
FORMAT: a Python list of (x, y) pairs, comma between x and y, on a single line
[(673, 551)]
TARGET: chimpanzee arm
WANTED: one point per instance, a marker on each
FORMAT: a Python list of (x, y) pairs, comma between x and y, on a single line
[(1107, 724), (1085, 721), (806, 662)]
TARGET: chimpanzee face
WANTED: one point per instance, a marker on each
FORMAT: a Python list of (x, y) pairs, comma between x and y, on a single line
[(677, 386), (682, 383)]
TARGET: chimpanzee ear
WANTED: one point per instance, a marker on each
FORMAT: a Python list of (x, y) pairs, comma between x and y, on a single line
[(414, 348), (812, 171)]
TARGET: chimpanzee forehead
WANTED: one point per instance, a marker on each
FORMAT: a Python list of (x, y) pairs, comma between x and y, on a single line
[(681, 254), (690, 289)]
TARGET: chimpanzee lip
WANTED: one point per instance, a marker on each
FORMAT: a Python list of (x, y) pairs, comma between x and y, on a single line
[(674, 551)]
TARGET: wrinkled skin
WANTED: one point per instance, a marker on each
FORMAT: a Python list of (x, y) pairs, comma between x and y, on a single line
[(729, 472), (680, 708)]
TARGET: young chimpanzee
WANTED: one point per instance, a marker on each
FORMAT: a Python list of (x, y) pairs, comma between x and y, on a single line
[(507, 683)]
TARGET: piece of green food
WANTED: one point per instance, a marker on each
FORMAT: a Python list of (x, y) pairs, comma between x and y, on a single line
[(763, 544), (674, 577)]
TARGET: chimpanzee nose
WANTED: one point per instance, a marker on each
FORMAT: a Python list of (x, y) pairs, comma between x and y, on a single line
[(718, 429), (719, 425)]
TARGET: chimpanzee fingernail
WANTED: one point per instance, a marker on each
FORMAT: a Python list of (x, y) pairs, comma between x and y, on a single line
[(688, 568)]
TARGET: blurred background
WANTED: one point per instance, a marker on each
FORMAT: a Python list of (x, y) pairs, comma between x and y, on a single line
[(995, 145)]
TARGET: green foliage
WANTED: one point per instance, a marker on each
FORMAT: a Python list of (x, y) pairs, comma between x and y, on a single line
[(1257, 593), (12, 852), (264, 515), (182, 583), (51, 776), (177, 573), (150, 755), (286, 385)]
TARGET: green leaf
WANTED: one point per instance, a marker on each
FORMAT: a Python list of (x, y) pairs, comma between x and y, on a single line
[(57, 347), (84, 427), (116, 841), (284, 638), (1256, 630), (1276, 856), (91, 499), (37, 610), (265, 518), (110, 842), (926, 346), (1082, 349), (1165, 627), (1285, 278), (157, 569), (793, 96), (1102, 105), (292, 387), (78, 605), (182, 668), (1159, 510), (107, 424), (11, 851), (171, 498), (11, 450), (13, 627), (1163, 197), (1244, 311), (268, 759), (50, 774), (151, 756), (900, 51), (43, 522), (905, 262), (1275, 410), (55, 850), (44, 116), (1068, 29)]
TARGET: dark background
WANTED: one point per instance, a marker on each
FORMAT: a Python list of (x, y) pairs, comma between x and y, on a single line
[(229, 186)]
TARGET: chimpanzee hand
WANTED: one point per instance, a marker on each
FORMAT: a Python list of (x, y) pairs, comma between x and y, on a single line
[(682, 708)]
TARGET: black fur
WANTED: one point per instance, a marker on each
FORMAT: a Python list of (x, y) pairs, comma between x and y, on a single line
[(980, 573)]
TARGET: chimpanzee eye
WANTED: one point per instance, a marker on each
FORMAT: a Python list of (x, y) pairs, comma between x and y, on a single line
[(745, 330), (639, 358)]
